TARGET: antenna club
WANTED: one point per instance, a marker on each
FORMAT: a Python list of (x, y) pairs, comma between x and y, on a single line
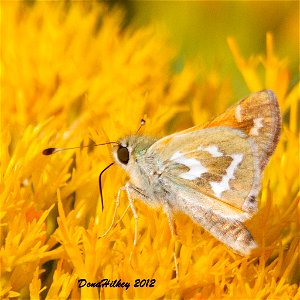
[(49, 151)]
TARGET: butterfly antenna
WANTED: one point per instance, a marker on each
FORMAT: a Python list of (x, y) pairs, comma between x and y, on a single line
[(142, 123), (50, 151), (100, 183)]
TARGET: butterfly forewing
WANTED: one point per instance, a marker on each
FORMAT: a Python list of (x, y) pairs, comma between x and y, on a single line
[(258, 116)]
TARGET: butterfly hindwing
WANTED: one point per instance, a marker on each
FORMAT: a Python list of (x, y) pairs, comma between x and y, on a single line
[(218, 165)]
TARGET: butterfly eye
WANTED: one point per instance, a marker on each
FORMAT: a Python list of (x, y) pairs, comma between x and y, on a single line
[(123, 155)]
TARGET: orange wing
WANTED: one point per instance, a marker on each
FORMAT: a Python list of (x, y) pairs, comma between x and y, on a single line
[(258, 116)]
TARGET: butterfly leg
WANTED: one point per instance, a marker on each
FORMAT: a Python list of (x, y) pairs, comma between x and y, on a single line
[(115, 213), (133, 193), (135, 215), (168, 212)]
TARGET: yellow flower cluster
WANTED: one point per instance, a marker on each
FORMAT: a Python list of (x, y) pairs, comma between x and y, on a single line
[(70, 73)]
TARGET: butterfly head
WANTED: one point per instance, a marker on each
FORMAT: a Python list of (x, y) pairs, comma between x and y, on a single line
[(130, 149)]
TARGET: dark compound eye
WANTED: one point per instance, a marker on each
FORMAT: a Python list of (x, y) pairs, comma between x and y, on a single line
[(123, 155)]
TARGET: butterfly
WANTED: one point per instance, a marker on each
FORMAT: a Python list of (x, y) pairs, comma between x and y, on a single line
[(211, 172)]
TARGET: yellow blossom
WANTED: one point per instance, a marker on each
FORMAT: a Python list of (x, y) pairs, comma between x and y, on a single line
[(65, 84)]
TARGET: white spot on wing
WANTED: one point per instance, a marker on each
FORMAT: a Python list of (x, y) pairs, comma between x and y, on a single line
[(196, 168), (258, 123), (176, 155), (213, 150), (238, 113), (220, 187)]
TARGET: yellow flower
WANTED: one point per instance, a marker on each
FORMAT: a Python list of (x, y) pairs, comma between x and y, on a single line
[(70, 73)]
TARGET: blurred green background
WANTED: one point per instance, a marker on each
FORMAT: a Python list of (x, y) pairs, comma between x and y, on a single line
[(199, 30)]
